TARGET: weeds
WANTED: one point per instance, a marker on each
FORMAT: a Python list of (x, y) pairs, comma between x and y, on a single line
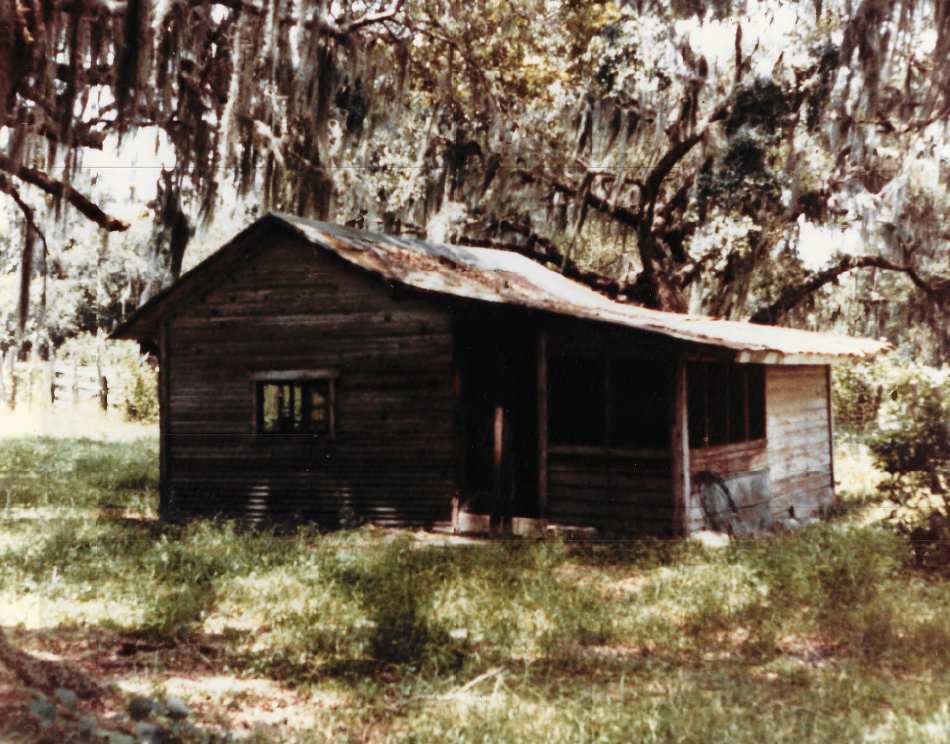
[(827, 634)]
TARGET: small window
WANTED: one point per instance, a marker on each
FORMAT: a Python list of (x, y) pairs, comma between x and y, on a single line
[(577, 399), (725, 403), (608, 402), (295, 404), (639, 404)]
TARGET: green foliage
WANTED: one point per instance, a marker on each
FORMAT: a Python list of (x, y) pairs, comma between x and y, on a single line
[(912, 434), (827, 634), (397, 587), (900, 411), (78, 473), (856, 395), (141, 397), (832, 568), (821, 634)]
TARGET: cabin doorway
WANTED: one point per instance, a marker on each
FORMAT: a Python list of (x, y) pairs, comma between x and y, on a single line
[(496, 410)]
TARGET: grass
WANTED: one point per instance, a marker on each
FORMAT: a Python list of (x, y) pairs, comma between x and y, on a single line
[(828, 634)]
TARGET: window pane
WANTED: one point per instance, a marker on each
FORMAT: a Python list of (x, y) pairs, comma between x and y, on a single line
[(696, 404), (319, 406), (737, 397), (576, 402), (639, 401), (717, 382), (270, 412), (296, 405), (756, 402)]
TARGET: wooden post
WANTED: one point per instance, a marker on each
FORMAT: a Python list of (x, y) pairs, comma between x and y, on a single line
[(75, 389), (14, 353), (831, 431), (164, 372), (679, 449), (31, 372), (542, 375), (52, 372), (497, 453), (100, 375)]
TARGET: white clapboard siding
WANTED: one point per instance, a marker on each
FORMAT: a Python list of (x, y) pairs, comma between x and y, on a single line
[(799, 442)]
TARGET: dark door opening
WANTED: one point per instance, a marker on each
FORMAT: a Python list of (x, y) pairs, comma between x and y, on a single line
[(496, 369)]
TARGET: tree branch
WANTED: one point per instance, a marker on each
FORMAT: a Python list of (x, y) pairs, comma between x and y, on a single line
[(61, 190), (8, 188), (342, 33), (235, 5), (678, 150), (542, 249), (371, 18), (938, 290), (27, 260), (621, 214)]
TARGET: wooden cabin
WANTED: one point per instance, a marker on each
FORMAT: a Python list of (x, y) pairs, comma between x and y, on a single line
[(312, 372)]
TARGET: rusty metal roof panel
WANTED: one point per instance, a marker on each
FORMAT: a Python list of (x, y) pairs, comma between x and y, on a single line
[(505, 277)]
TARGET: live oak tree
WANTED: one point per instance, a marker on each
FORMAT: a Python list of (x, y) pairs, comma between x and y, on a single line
[(596, 137)]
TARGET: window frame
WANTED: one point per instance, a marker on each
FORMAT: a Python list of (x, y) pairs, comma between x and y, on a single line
[(296, 377), (608, 363), (729, 369)]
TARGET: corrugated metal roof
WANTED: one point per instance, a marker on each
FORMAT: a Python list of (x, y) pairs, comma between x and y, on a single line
[(505, 277)]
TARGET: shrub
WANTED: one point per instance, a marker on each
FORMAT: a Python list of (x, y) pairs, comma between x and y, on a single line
[(141, 392), (856, 396), (912, 435), (912, 444), (834, 566)]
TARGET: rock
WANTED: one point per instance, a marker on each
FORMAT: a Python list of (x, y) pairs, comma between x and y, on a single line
[(176, 708), (140, 708), (150, 733), (710, 539), (68, 698), (44, 712), (787, 524)]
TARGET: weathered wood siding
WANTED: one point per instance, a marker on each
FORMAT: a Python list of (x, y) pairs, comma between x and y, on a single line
[(799, 453), (721, 460), (613, 492), (740, 457), (295, 307)]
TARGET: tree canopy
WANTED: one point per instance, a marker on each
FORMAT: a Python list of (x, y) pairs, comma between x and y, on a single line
[(707, 155)]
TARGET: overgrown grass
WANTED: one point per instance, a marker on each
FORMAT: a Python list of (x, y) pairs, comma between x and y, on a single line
[(828, 634), (78, 474)]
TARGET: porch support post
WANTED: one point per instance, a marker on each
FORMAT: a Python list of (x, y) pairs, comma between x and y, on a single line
[(679, 445), (831, 434), (164, 373), (542, 376)]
